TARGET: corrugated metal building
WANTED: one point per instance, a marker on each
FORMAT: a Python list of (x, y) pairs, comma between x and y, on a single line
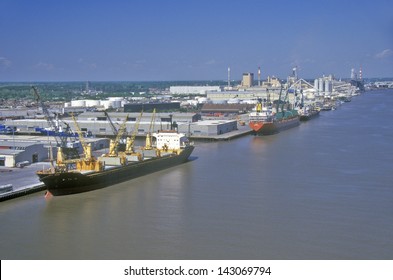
[(149, 107), (192, 90), (208, 127), (211, 108), (13, 152), (98, 124)]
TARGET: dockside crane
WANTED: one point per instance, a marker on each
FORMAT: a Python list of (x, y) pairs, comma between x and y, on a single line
[(284, 101), (279, 99), (61, 137), (52, 124), (114, 129)]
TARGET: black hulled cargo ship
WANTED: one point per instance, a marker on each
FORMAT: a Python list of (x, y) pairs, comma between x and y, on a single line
[(75, 176)]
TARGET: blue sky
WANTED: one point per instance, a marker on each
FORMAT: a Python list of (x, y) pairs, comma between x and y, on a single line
[(142, 40)]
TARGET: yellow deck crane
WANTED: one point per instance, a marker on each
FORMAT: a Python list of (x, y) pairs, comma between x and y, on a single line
[(88, 162), (113, 151), (86, 146), (148, 145), (130, 140)]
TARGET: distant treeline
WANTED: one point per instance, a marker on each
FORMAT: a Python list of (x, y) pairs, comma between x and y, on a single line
[(66, 91)]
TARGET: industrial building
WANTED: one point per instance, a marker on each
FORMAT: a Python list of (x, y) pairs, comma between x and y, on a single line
[(16, 149), (252, 93), (98, 124), (208, 128), (192, 90), (149, 107), (247, 80), (214, 108), (14, 153), (17, 113)]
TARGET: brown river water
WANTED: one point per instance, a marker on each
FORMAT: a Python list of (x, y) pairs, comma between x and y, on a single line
[(323, 190)]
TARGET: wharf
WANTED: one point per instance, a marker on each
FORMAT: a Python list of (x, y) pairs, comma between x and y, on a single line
[(22, 191), (242, 131), (23, 180)]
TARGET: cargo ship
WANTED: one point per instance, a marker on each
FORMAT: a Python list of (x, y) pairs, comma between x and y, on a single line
[(263, 120), (162, 150), (308, 112)]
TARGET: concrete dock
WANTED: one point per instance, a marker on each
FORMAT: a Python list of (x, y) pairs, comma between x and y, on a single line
[(241, 131), (23, 180)]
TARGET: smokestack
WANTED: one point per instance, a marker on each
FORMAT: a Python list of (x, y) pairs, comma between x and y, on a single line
[(259, 76), (229, 77), (294, 72)]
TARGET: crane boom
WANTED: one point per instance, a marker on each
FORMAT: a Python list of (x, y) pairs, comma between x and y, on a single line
[(85, 145), (59, 140), (279, 99), (285, 100), (148, 145), (130, 141), (115, 143), (114, 129), (153, 120), (61, 137)]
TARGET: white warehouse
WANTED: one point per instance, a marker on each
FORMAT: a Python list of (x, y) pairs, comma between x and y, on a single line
[(192, 90)]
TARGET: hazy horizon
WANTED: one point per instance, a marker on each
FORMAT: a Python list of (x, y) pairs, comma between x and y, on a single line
[(193, 40)]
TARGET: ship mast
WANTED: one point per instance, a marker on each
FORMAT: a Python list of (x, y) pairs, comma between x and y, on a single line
[(279, 99), (130, 140), (148, 145), (86, 146), (114, 143)]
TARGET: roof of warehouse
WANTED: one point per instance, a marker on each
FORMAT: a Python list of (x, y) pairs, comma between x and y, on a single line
[(8, 152), (123, 115), (11, 143), (212, 122), (225, 107)]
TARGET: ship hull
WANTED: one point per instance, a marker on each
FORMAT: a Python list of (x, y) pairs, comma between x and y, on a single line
[(309, 116), (267, 128), (66, 183)]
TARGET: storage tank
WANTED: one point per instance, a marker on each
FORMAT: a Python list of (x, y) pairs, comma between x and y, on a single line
[(320, 88), (92, 103), (328, 86), (115, 103), (106, 103), (202, 100), (316, 84), (115, 98), (78, 103)]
